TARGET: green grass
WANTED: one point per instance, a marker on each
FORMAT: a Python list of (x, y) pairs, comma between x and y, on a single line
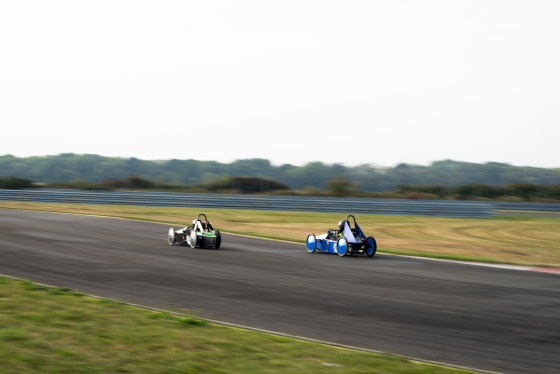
[(57, 330), (533, 241)]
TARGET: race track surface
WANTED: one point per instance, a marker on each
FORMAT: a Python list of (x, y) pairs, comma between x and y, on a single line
[(486, 318)]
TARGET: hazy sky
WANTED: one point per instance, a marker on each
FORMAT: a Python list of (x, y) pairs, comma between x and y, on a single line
[(352, 82)]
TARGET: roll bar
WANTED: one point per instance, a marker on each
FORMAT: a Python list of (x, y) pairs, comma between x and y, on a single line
[(354, 218)]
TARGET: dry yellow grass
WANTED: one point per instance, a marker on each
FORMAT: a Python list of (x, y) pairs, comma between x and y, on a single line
[(515, 240)]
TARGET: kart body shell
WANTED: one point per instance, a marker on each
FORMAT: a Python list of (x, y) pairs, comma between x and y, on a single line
[(347, 240), (201, 234)]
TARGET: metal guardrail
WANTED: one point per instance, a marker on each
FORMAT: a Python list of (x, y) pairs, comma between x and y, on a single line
[(345, 205), (535, 207)]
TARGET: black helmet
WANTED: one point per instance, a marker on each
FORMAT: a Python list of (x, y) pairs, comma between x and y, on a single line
[(341, 225)]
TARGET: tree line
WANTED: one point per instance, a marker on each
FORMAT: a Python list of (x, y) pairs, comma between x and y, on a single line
[(316, 176), (336, 187)]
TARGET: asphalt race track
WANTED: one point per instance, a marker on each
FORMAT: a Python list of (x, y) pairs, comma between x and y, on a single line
[(486, 318)]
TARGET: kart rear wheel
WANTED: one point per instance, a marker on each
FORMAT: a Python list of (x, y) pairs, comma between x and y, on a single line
[(171, 236), (342, 246), (311, 243), (371, 246), (194, 239), (218, 239)]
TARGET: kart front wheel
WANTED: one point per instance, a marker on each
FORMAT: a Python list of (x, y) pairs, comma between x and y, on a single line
[(218, 239), (311, 243), (342, 246), (194, 238), (371, 246), (171, 236)]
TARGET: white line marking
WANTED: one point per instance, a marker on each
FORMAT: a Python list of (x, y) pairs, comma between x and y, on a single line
[(486, 264)]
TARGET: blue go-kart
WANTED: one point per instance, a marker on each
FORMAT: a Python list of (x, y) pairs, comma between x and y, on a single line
[(344, 241)]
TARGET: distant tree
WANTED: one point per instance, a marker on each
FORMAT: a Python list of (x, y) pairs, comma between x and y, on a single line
[(340, 186), (245, 185), (446, 173), (12, 183), (132, 182)]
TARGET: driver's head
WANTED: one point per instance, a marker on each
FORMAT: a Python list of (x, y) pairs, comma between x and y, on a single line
[(341, 225)]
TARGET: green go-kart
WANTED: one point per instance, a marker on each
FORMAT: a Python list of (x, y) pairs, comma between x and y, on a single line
[(200, 234)]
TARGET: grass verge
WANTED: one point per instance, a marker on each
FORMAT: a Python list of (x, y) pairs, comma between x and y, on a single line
[(53, 330), (531, 241)]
